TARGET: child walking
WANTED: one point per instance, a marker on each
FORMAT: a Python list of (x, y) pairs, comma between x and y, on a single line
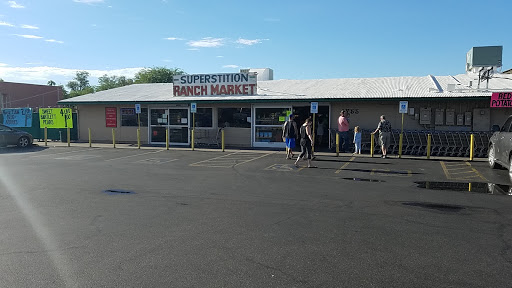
[(357, 140)]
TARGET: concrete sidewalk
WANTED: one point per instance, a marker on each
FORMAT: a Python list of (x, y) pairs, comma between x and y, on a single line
[(233, 150)]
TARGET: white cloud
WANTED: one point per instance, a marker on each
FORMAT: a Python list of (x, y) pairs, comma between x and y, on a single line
[(29, 36), (220, 56), (193, 49), (29, 27), (3, 64), (249, 42), (207, 42), (2, 23), (42, 74), (13, 4), (89, 1), (173, 38), (54, 41), (230, 66)]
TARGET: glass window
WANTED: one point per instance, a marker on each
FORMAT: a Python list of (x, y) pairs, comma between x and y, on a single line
[(234, 117), (270, 116), (269, 134), (159, 117), (129, 117), (506, 126), (178, 116), (204, 117)]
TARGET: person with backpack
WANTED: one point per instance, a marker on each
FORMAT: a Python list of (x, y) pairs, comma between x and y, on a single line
[(290, 132), (306, 143)]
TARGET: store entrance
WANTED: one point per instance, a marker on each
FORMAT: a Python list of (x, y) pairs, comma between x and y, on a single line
[(321, 123)]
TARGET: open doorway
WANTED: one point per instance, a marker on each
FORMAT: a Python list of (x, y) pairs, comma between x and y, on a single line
[(321, 124)]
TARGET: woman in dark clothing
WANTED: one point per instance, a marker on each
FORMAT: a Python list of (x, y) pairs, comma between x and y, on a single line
[(306, 142)]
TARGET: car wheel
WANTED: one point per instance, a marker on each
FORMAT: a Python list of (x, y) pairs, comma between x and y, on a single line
[(23, 142), (492, 158)]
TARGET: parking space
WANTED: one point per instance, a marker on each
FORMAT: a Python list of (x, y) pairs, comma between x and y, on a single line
[(404, 171)]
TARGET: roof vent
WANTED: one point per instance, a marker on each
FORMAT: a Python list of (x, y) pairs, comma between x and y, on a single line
[(450, 87)]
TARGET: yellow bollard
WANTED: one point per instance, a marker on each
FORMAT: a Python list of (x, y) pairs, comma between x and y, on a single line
[(372, 148), (167, 139), (337, 145), (138, 138), (45, 136), (469, 187), (114, 137), (429, 140), (222, 133), (69, 136), (193, 140), (400, 145), (472, 147), (90, 141)]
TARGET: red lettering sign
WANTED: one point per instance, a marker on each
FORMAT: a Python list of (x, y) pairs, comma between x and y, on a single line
[(501, 100), (111, 117)]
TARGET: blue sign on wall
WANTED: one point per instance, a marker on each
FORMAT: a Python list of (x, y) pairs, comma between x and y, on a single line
[(19, 117)]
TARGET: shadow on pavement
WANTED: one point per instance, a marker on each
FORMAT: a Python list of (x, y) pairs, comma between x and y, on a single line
[(17, 150)]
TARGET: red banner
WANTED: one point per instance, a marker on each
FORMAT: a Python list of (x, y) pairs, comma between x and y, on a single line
[(111, 116)]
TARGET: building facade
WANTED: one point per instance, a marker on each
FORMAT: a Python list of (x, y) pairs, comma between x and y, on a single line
[(19, 95), (448, 103)]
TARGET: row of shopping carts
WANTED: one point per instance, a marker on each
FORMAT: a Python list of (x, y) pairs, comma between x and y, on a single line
[(443, 143)]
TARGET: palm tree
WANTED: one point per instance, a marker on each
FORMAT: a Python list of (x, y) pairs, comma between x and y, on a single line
[(51, 83)]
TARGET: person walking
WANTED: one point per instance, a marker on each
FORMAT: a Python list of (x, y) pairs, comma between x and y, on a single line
[(290, 132), (384, 128), (357, 140), (306, 143), (343, 127)]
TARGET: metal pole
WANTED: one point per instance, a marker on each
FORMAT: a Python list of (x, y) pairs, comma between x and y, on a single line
[(69, 136), (472, 147), (313, 133), (429, 140), (193, 140), (337, 144), (372, 139), (401, 138), (45, 136), (167, 139), (114, 137), (222, 133), (90, 141), (138, 138)]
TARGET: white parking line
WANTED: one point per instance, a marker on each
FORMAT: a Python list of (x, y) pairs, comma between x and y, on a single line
[(130, 156), (230, 160), (60, 153)]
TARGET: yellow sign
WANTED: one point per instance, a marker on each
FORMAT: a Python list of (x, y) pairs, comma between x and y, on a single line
[(55, 118)]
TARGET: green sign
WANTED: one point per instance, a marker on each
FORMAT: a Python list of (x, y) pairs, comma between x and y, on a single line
[(55, 118)]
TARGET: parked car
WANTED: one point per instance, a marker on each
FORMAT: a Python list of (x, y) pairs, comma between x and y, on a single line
[(500, 147), (11, 136)]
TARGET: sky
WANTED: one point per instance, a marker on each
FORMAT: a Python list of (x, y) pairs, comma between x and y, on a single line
[(52, 39)]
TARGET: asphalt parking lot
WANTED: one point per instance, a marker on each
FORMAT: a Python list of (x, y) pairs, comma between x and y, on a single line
[(89, 217)]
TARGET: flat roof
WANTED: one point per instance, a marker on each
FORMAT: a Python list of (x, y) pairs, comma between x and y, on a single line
[(421, 87)]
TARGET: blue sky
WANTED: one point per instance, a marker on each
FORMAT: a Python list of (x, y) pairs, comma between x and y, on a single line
[(52, 39)]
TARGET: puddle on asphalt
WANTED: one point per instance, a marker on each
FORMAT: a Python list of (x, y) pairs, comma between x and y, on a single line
[(476, 187), (117, 191), (363, 179), (435, 206)]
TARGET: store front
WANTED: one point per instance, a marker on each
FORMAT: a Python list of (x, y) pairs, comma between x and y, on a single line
[(268, 125), (175, 120)]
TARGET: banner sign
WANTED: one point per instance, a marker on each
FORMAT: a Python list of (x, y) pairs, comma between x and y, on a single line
[(501, 100), (111, 117), (55, 118), (20, 117), (215, 84)]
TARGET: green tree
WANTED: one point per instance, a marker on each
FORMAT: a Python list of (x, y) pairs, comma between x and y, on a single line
[(106, 82), (51, 83), (80, 84), (157, 75)]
